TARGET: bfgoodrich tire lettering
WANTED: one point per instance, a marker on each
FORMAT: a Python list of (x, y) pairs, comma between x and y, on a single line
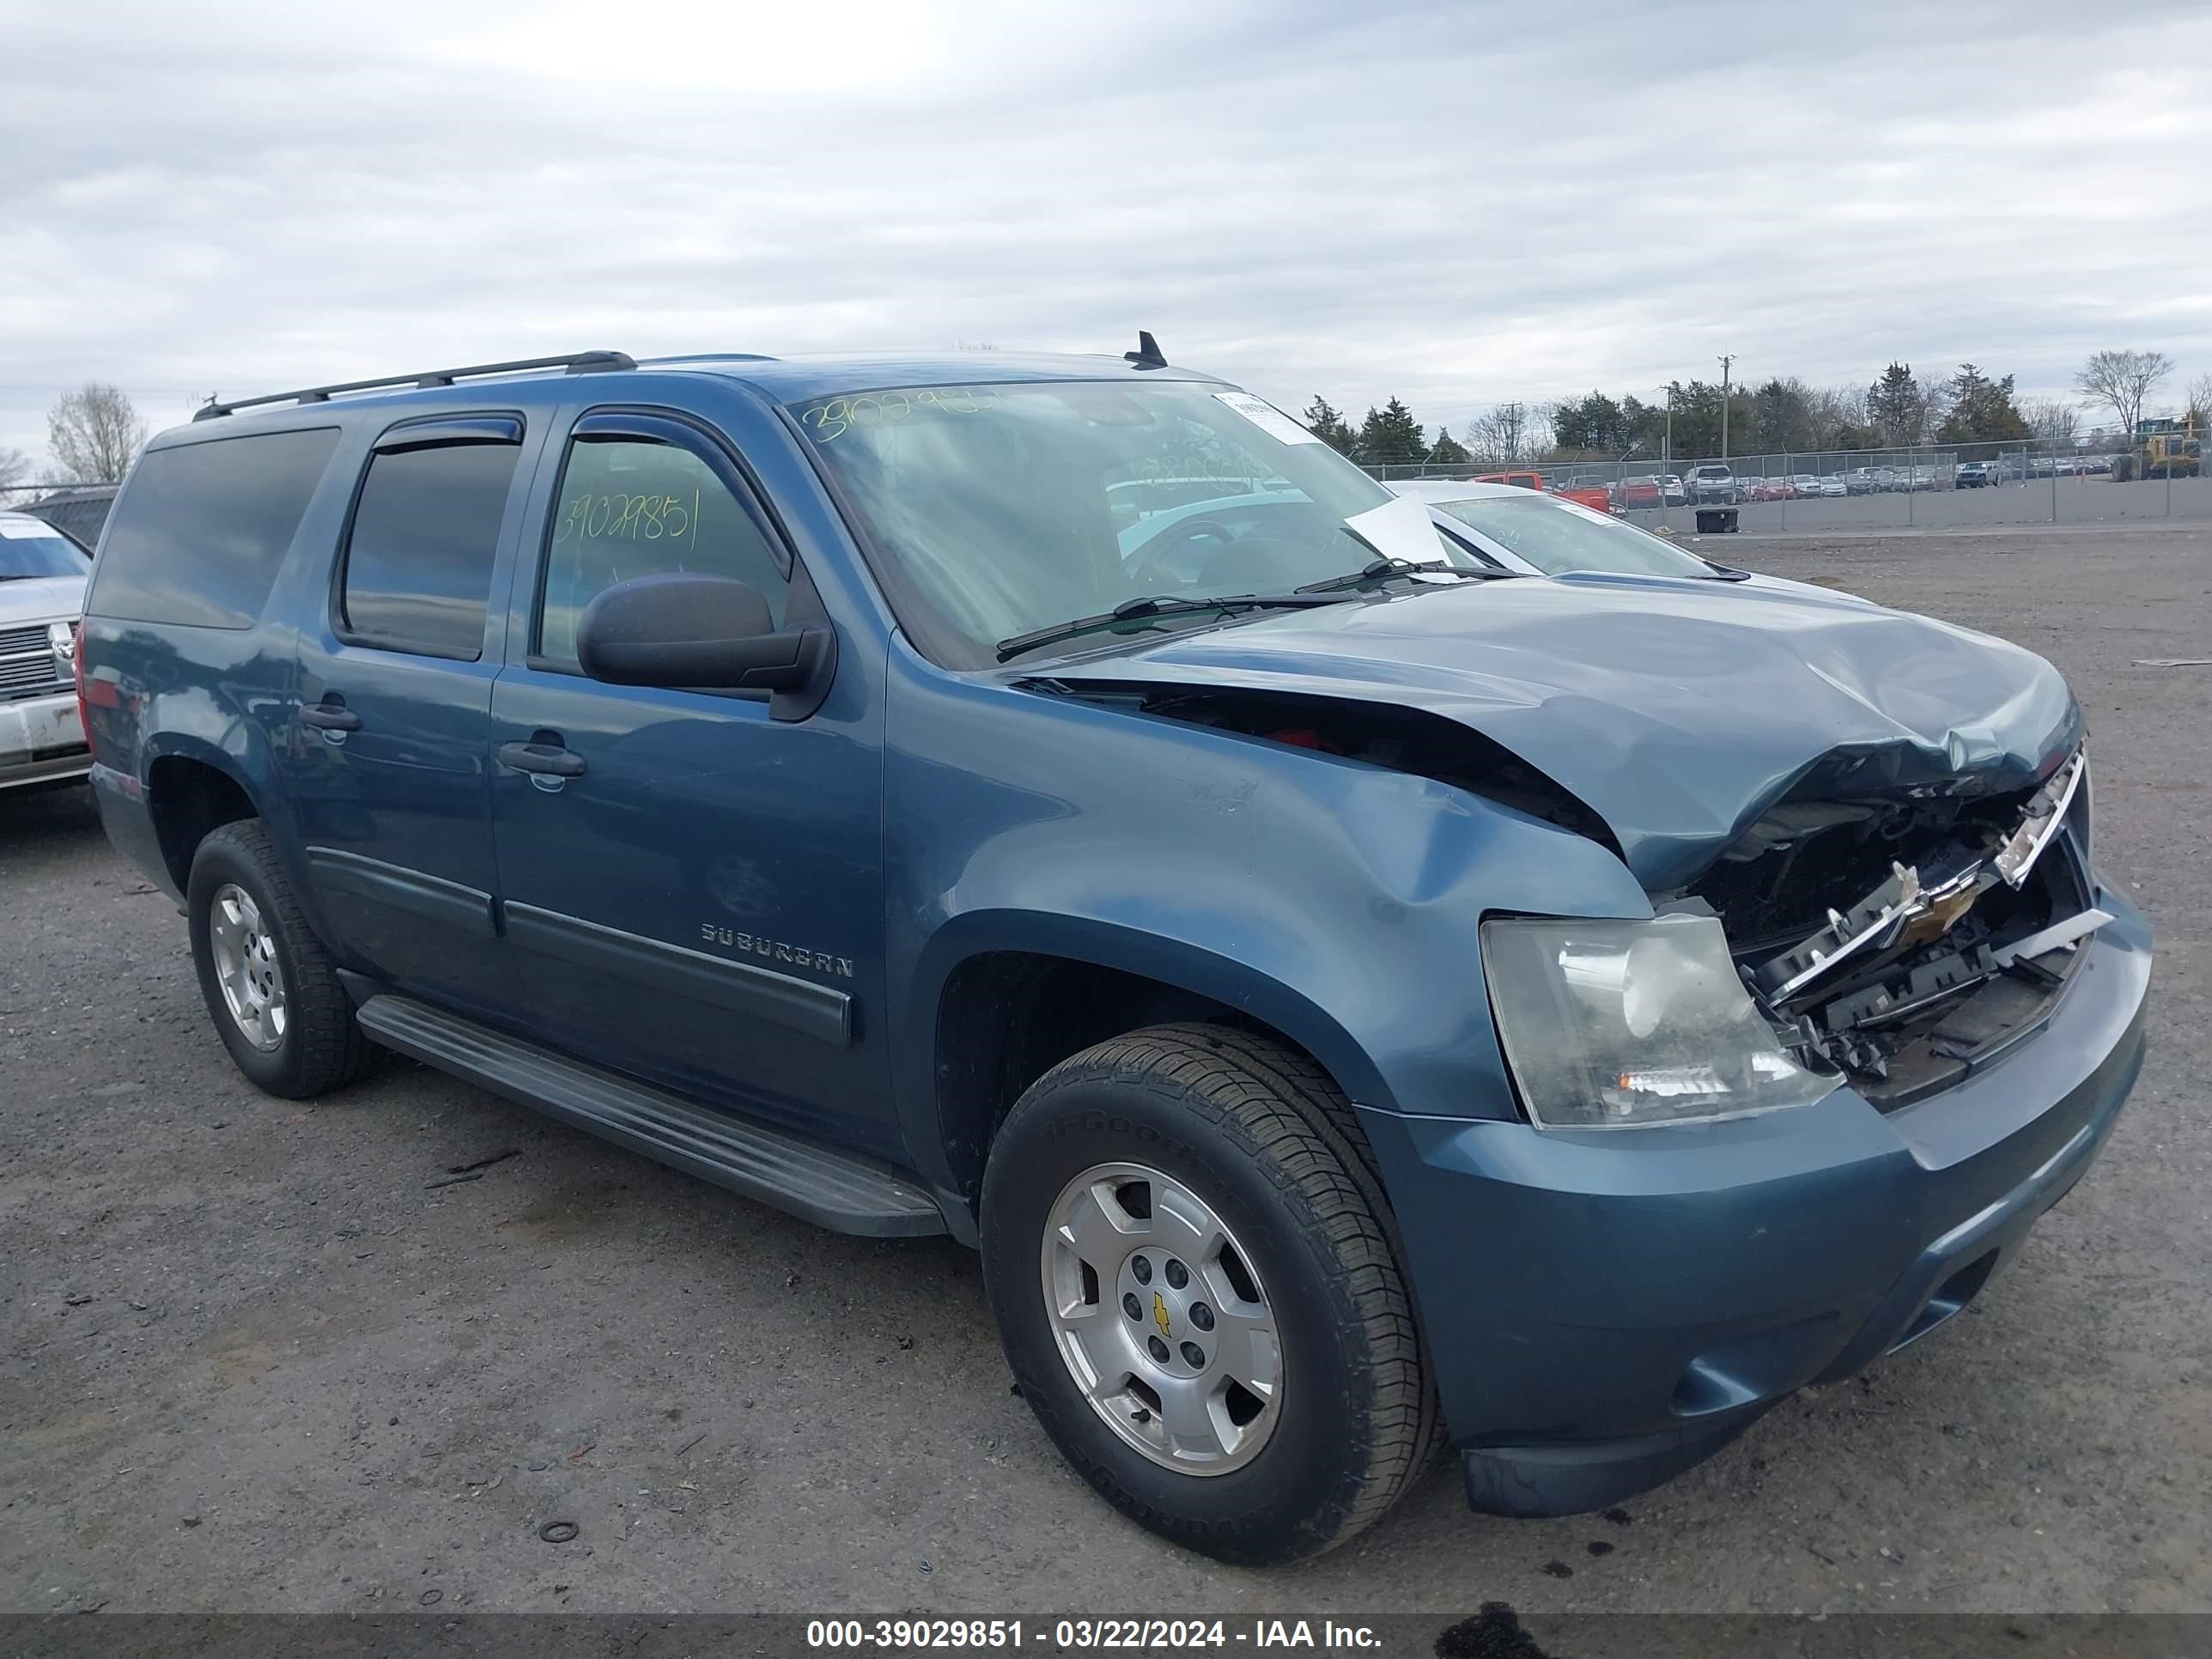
[(1268, 1145), (321, 1047)]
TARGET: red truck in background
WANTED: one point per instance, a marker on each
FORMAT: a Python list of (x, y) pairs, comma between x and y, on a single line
[(1594, 497)]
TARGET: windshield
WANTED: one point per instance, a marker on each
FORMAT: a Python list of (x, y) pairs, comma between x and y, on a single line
[(29, 548), (1557, 536), (1003, 509)]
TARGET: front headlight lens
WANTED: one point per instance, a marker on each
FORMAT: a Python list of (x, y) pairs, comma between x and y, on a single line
[(1618, 1025)]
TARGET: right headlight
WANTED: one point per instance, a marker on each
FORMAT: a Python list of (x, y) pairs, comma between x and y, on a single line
[(1618, 1024)]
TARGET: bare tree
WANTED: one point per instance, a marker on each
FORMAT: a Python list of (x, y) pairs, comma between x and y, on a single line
[(95, 434), (2200, 402), (2121, 380), (1840, 420), (14, 468), (1511, 432), (2052, 418)]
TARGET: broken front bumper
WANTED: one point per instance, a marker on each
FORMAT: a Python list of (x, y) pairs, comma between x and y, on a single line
[(1604, 1309)]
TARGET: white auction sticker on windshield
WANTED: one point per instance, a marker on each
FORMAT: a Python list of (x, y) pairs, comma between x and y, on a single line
[(28, 529), (1268, 418)]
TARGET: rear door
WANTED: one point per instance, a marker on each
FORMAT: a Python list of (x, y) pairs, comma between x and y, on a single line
[(692, 888), (388, 769)]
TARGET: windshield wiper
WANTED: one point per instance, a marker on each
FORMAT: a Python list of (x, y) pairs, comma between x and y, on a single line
[(1149, 604), (1379, 569)]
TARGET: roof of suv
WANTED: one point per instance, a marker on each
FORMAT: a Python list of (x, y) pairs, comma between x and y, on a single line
[(826, 374), (782, 379)]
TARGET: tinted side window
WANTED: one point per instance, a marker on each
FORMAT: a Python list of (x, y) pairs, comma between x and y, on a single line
[(201, 529), (418, 561), (628, 507)]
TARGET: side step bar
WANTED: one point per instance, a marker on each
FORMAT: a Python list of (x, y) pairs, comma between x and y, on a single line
[(833, 1189)]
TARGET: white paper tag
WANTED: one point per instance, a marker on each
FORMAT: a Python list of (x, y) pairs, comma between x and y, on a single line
[(1400, 528), (29, 530), (1268, 418)]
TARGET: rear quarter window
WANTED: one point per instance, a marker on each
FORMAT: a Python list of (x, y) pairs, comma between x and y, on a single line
[(201, 529)]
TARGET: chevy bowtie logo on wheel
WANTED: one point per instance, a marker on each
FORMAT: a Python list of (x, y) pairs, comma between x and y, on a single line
[(1160, 1315)]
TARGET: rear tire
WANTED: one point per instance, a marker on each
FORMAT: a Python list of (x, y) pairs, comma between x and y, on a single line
[(1244, 1140), (268, 984)]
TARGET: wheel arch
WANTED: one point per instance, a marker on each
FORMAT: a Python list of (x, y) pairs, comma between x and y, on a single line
[(1005, 996), (192, 789)]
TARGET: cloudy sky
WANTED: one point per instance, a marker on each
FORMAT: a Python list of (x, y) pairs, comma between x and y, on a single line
[(1460, 205)]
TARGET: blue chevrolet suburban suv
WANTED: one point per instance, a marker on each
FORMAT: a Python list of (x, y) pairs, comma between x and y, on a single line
[(1358, 995)]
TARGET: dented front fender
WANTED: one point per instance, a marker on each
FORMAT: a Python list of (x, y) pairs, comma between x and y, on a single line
[(1335, 900)]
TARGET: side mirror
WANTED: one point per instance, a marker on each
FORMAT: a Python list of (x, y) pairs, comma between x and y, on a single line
[(709, 632)]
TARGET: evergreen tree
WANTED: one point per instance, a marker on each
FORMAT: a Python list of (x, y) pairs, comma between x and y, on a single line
[(1326, 423), (1698, 420), (1447, 451), (1594, 422), (1782, 418), (1898, 406), (1982, 410), (1391, 436)]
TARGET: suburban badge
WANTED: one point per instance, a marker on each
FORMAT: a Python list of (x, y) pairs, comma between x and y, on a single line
[(774, 950)]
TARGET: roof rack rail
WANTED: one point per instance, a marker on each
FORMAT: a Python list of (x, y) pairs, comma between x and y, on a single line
[(578, 362)]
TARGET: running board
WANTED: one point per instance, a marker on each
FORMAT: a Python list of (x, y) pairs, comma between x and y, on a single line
[(833, 1189)]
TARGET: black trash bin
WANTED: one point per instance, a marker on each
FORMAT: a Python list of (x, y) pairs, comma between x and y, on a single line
[(1715, 520)]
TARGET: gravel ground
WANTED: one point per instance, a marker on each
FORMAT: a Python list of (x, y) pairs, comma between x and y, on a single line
[(255, 1362)]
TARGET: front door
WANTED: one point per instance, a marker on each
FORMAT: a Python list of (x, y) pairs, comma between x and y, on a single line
[(388, 769), (693, 889)]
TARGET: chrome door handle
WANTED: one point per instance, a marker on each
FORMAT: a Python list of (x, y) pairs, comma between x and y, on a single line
[(544, 759), (330, 717)]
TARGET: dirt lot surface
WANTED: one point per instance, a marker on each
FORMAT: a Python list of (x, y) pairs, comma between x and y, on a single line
[(255, 1361)]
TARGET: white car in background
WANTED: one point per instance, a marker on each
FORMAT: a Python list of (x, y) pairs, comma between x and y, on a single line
[(42, 581), (1534, 534), (1713, 484)]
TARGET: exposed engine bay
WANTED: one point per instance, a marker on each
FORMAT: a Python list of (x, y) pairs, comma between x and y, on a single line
[(1902, 938), (1907, 983)]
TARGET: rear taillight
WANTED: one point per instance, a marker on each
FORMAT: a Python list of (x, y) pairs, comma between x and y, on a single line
[(77, 675)]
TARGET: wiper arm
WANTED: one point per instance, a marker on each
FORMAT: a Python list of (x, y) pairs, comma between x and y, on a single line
[(1153, 605), (1381, 568)]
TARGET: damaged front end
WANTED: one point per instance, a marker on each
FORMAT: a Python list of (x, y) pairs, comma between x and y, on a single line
[(1904, 942)]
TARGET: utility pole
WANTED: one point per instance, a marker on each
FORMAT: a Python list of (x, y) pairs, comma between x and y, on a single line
[(1726, 364)]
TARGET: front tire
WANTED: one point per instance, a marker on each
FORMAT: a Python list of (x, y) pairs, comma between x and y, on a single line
[(268, 983), (1197, 1283)]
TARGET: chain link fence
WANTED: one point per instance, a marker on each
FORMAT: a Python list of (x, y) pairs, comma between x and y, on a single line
[(79, 511), (1934, 485)]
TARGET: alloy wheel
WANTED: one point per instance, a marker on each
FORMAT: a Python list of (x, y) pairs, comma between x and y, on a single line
[(246, 967), (1159, 1315)]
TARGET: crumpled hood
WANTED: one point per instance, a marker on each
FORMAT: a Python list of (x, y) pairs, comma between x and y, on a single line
[(1677, 710)]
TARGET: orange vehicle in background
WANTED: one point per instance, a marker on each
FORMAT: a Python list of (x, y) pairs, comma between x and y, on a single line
[(1594, 497)]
